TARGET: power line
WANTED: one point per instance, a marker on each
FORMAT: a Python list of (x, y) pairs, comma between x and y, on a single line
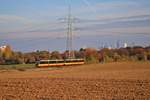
[(90, 5)]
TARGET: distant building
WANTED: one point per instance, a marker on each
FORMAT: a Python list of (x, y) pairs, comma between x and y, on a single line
[(125, 45), (3, 48), (118, 44), (109, 47)]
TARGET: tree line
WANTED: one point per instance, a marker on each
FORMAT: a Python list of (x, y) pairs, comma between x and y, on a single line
[(91, 55)]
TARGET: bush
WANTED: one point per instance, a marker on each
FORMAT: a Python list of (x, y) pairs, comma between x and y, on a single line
[(91, 59), (108, 59)]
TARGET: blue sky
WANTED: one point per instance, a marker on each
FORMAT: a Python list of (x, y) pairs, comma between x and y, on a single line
[(41, 21)]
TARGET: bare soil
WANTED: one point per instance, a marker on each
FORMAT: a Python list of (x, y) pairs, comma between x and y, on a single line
[(112, 81)]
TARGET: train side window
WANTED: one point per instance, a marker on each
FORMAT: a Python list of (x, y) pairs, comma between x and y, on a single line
[(43, 62), (60, 61), (52, 62)]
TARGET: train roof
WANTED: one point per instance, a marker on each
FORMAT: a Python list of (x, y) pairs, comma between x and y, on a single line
[(73, 59), (62, 60), (53, 60)]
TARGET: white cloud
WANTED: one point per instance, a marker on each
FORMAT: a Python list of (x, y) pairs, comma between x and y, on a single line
[(9, 23), (46, 25), (12, 17), (128, 30)]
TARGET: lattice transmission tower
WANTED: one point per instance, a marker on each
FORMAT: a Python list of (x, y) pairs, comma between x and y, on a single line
[(70, 35)]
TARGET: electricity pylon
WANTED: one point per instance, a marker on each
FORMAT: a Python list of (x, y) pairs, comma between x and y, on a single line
[(70, 35)]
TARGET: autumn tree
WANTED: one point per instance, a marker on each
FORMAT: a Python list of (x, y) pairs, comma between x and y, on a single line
[(7, 54), (18, 57), (55, 55), (147, 51), (42, 55), (91, 55), (1, 58)]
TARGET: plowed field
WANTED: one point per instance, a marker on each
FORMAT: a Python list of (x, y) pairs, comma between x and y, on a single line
[(113, 81)]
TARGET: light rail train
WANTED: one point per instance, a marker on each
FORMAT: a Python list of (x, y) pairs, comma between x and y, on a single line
[(57, 63)]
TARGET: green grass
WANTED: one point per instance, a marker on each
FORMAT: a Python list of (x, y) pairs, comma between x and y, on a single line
[(20, 67)]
